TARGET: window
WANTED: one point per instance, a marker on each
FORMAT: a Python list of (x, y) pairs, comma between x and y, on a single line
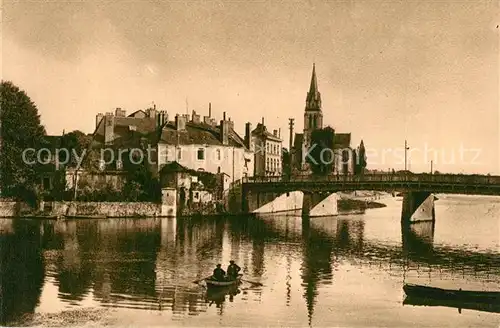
[(179, 153), (218, 154), (267, 147), (201, 154), (119, 164)]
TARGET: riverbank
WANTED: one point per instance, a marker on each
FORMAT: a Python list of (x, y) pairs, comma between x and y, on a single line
[(347, 202), (361, 200)]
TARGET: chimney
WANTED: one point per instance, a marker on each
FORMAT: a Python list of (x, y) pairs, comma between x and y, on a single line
[(98, 119), (231, 124), (248, 137), (262, 122), (275, 133), (109, 128), (279, 133), (180, 122), (224, 131), (162, 118), (209, 109), (195, 118), (151, 112), (120, 112), (224, 116), (159, 120)]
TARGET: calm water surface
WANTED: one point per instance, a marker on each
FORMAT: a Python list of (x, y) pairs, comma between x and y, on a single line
[(340, 271)]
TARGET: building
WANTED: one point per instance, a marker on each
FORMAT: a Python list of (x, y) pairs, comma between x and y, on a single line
[(192, 141), (344, 156), (204, 146), (267, 148)]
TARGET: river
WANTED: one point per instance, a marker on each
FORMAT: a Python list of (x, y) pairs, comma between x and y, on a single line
[(344, 271)]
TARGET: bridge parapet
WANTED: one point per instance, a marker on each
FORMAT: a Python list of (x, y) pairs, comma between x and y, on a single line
[(397, 177)]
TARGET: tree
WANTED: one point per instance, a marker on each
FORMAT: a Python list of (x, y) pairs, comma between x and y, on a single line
[(75, 142), (361, 159), (20, 129), (141, 184), (322, 157), (286, 161)]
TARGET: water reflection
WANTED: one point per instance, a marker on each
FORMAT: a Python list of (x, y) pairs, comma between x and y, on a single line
[(417, 239), (22, 270), (151, 263), (218, 297), (484, 307)]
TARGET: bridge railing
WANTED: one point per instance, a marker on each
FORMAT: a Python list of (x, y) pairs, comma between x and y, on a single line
[(396, 177)]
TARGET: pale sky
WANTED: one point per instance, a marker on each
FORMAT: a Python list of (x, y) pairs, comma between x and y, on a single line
[(426, 71)]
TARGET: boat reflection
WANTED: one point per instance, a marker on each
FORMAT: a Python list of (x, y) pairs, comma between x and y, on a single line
[(460, 305), (218, 295)]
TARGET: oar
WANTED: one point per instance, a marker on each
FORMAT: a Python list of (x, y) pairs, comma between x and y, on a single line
[(197, 281), (252, 282)]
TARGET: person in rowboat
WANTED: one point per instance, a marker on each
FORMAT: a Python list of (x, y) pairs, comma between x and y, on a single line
[(219, 273), (232, 270)]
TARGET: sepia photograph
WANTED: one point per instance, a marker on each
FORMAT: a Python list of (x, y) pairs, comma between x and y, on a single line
[(259, 163)]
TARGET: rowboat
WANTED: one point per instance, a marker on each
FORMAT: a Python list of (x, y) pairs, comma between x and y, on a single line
[(451, 294), (216, 283)]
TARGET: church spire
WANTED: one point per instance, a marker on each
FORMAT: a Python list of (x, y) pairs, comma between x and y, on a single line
[(313, 100), (314, 81)]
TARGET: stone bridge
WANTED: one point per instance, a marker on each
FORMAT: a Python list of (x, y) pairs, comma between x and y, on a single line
[(316, 195)]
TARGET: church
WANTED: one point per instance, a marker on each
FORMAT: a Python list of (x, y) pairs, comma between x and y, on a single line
[(344, 156)]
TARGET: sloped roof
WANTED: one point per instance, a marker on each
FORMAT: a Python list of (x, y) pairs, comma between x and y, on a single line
[(174, 167), (261, 130), (123, 126), (197, 133), (137, 112)]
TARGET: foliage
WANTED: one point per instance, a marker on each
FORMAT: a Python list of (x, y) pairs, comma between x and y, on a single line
[(141, 183), (361, 163), (77, 143), (286, 161), (20, 129), (321, 157), (105, 192)]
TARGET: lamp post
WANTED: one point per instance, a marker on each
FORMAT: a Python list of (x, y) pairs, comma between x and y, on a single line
[(406, 156)]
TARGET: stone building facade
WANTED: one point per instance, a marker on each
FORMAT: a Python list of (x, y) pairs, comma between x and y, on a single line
[(267, 148)]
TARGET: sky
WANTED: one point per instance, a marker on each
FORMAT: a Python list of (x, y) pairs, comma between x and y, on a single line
[(425, 71)]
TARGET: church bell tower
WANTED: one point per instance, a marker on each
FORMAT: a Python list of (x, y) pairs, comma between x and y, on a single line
[(313, 117)]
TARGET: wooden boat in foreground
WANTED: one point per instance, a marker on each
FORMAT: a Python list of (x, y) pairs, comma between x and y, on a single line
[(215, 283), (451, 294)]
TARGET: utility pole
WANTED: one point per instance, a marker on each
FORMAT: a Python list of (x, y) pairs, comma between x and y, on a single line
[(291, 134), (406, 156)]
